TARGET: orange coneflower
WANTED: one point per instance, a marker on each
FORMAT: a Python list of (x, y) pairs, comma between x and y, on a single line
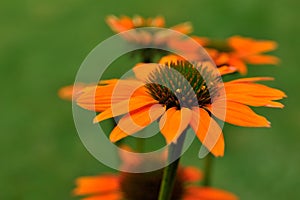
[(175, 106), (125, 23), (137, 186), (237, 51), (147, 31)]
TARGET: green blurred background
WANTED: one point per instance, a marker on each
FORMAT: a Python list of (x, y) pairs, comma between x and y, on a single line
[(42, 45)]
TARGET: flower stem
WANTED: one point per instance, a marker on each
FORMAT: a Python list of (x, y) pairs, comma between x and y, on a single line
[(140, 143), (208, 162), (170, 171)]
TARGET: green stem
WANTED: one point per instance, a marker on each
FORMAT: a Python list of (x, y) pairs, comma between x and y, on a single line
[(208, 162), (170, 171), (140, 143)]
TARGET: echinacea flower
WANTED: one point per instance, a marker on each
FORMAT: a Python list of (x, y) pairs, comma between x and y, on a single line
[(238, 51), (125, 23), (148, 32), (159, 94), (137, 186)]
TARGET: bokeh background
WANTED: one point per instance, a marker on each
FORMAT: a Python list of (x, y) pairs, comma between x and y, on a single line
[(42, 45)]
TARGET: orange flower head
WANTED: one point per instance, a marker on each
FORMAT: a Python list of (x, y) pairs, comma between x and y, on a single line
[(134, 186), (177, 96), (238, 51), (125, 23), (147, 31)]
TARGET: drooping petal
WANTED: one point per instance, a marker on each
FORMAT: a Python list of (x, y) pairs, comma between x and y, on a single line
[(254, 100), (96, 184), (238, 64), (208, 131), (98, 98), (158, 21), (250, 46), (253, 89), (207, 193), (109, 196), (136, 121), (262, 59), (192, 174), (125, 106), (226, 70), (250, 80), (121, 24), (174, 122), (240, 115), (71, 91), (184, 28)]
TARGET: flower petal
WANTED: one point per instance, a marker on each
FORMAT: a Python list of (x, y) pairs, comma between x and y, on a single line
[(109, 196), (143, 70), (136, 121), (96, 184), (174, 122), (253, 89), (251, 80), (251, 46), (240, 115), (262, 59), (192, 174), (125, 107), (99, 98), (184, 28), (207, 193), (208, 131)]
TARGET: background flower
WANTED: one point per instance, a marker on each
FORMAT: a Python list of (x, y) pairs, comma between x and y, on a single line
[(136, 186), (238, 51)]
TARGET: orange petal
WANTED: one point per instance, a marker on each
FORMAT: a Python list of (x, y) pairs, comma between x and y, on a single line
[(252, 79), (254, 100), (174, 122), (184, 28), (70, 92), (226, 70), (119, 25), (158, 21), (99, 98), (110, 196), (125, 107), (262, 59), (192, 174), (253, 89), (208, 131), (136, 121), (251, 46), (241, 115), (201, 40), (238, 64), (142, 71), (207, 193), (170, 59), (96, 184)]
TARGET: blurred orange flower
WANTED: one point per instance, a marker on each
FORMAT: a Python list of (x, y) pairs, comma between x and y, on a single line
[(237, 51), (125, 23), (187, 101), (133, 186), (147, 31)]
